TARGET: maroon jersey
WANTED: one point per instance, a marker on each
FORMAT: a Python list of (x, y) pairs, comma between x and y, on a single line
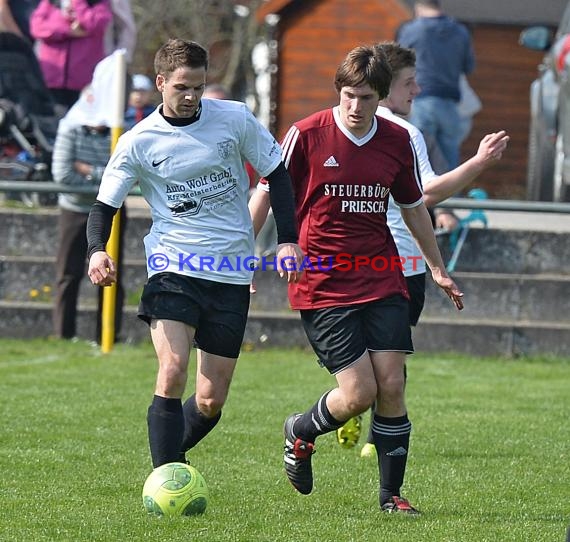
[(341, 186)]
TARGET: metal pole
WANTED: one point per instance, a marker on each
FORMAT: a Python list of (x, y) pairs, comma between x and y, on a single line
[(110, 292)]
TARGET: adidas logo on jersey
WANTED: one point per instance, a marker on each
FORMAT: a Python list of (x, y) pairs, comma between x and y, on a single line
[(331, 162)]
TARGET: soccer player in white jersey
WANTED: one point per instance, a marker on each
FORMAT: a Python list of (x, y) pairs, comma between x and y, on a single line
[(188, 156), (344, 163), (436, 188)]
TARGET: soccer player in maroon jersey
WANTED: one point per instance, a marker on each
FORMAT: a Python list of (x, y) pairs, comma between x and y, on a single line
[(396, 107), (344, 162)]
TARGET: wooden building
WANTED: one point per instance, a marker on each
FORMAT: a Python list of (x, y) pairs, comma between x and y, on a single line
[(313, 36)]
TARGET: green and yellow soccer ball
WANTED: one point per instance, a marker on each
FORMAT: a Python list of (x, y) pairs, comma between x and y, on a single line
[(175, 489)]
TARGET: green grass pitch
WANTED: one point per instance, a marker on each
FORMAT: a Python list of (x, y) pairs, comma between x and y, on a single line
[(489, 458)]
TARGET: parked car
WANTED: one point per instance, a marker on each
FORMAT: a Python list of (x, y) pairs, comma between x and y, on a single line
[(548, 175)]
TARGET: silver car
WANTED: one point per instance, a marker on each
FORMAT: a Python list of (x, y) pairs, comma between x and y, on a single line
[(548, 176)]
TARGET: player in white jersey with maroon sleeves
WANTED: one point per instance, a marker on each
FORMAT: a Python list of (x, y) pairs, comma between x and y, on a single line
[(188, 157), (344, 163)]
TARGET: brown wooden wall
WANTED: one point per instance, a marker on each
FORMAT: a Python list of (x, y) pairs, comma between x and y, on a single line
[(314, 37), (502, 78)]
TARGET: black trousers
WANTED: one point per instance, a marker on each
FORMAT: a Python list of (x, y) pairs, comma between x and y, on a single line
[(71, 267)]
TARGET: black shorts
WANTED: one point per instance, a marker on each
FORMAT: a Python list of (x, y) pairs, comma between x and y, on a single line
[(417, 290), (341, 335), (218, 311)]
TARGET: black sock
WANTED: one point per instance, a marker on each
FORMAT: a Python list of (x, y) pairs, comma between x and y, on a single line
[(165, 429), (316, 421), (196, 425), (392, 440)]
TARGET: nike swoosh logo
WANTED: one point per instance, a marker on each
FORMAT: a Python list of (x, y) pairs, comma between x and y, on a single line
[(155, 163)]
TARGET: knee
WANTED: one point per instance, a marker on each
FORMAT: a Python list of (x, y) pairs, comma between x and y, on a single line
[(171, 379), (360, 400), (393, 385), (176, 374), (209, 406), (360, 404)]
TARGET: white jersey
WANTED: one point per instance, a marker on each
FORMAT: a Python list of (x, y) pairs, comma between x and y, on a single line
[(414, 263), (194, 179)]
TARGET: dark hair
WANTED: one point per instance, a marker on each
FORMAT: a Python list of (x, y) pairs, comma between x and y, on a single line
[(398, 57), (365, 64), (177, 53)]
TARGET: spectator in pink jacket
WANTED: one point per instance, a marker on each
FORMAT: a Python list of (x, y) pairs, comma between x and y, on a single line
[(70, 36)]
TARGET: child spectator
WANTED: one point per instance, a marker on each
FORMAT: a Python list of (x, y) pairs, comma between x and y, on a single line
[(140, 100)]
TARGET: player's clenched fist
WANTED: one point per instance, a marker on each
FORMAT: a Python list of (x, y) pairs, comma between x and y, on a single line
[(102, 270)]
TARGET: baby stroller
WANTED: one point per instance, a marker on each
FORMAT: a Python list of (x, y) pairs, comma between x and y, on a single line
[(28, 121)]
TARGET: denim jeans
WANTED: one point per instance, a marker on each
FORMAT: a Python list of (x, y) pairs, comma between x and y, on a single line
[(440, 118)]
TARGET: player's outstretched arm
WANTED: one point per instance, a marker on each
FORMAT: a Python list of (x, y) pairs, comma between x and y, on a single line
[(490, 151), (418, 221)]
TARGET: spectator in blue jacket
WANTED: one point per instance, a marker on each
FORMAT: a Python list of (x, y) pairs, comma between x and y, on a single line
[(443, 53)]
